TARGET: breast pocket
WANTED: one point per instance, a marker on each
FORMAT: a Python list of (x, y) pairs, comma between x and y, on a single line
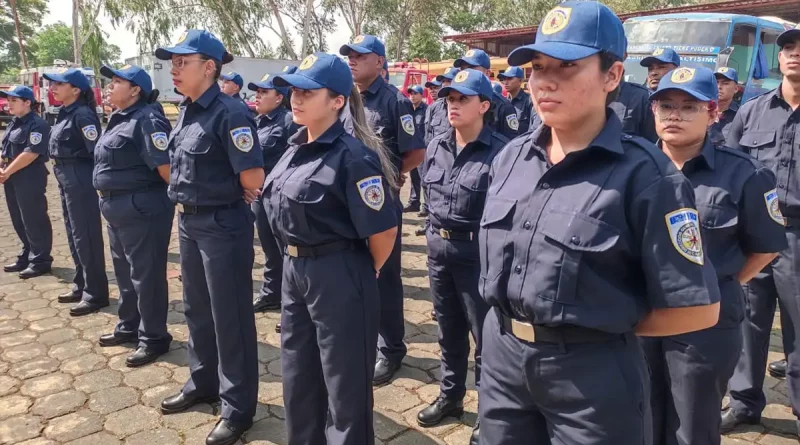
[(496, 225), (471, 195), (190, 156), (432, 181), (18, 140), (760, 145), (61, 143), (569, 238), (120, 152), (302, 196)]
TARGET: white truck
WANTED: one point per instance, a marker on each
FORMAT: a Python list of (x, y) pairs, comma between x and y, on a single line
[(251, 70)]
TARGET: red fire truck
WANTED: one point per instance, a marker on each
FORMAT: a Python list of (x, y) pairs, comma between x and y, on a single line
[(34, 78), (406, 74)]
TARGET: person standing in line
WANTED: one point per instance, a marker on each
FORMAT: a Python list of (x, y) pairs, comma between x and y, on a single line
[(512, 79), (416, 95), (728, 86)]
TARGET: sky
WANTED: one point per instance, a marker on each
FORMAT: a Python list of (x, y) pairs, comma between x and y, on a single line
[(60, 11)]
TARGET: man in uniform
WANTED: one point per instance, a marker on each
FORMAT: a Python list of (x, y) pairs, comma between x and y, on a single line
[(727, 85), (662, 61), (632, 106), (512, 79), (767, 128), (232, 85), (433, 87), (415, 93), (505, 121), (390, 114)]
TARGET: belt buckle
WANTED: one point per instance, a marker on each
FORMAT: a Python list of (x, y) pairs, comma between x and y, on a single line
[(523, 331), (292, 251), (444, 233), (180, 208)]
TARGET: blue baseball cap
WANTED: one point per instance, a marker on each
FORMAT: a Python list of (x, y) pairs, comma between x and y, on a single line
[(449, 74), (728, 73), (498, 88), (699, 83), (469, 82), (267, 83), (364, 44), (288, 69), (233, 77), (72, 76), (789, 36), (132, 74), (474, 57), (575, 30), (511, 72), (416, 89), (662, 55), (19, 91), (433, 84), (197, 41), (319, 70)]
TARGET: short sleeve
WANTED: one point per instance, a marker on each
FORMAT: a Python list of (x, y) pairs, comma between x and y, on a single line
[(38, 138), (89, 128), (665, 221), (408, 138), (154, 134), (735, 132), (240, 140), (761, 224), (372, 209)]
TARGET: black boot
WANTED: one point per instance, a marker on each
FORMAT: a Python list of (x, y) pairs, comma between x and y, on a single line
[(442, 407)]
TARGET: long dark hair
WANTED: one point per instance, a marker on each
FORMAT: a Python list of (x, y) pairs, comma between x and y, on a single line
[(87, 97), (149, 98)]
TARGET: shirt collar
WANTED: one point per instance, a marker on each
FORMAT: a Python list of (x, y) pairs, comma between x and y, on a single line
[(328, 137), (274, 113), (376, 85), (133, 108), (206, 98), (609, 138), (484, 138), (706, 157), (73, 106), (734, 106), (28, 117), (521, 95)]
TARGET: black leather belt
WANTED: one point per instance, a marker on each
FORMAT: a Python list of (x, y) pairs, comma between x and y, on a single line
[(322, 249), (188, 209), (458, 235), (113, 193), (566, 334), (66, 161)]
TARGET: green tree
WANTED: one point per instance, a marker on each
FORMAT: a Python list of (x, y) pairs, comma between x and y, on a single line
[(55, 42), (30, 14)]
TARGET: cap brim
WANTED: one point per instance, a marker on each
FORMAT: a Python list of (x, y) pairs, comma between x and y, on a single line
[(724, 76), (166, 53), (460, 63), (297, 81), (787, 37), (107, 71), (55, 78), (7, 94), (463, 90), (227, 58), (346, 48), (694, 93), (557, 50), (252, 86)]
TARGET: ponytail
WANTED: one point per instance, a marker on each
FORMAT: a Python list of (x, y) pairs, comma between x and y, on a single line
[(87, 96), (363, 132), (149, 98)]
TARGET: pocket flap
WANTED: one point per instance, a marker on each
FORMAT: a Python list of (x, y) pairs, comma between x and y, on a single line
[(579, 232), (717, 217), (303, 191), (434, 174), (196, 146), (497, 209), (755, 139)]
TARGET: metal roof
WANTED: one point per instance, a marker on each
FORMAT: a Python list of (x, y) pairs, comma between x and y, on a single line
[(502, 42)]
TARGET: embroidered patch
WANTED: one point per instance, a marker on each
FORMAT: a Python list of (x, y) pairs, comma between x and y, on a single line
[(160, 140), (90, 132), (266, 76), (182, 37), (308, 62), (684, 232), (242, 138), (773, 207), (286, 68), (460, 77), (358, 39), (470, 53), (35, 138), (408, 124), (556, 20), (682, 75), (126, 67), (512, 121), (723, 70), (371, 191), (658, 51)]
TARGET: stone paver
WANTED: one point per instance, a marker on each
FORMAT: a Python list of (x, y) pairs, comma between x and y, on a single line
[(59, 387)]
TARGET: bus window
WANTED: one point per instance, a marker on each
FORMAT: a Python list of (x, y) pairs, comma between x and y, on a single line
[(769, 41), (645, 35), (743, 43)]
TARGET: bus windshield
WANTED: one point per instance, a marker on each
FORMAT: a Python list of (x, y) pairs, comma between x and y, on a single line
[(397, 79), (684, 36), (635, 73)]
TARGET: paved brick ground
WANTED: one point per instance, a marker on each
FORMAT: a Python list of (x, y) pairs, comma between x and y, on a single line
[(57, 386)]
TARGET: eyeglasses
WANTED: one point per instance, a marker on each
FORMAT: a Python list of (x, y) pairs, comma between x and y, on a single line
[(181, 62), (687, 112)]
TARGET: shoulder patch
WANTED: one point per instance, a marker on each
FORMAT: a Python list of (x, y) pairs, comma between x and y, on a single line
[(160, 140), (242, 138), (684, 232), (512, 121), (90, 132), (408, 124), (35, 138), (773, 207), (371, 191)]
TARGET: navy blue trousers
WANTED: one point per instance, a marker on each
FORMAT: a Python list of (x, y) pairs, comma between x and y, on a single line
[(329, 328), (216, 266), (416, 183), (139, 228), (562, 394), (27, 207), (392, 327), (81, 211), (454, 268), (273, 256)]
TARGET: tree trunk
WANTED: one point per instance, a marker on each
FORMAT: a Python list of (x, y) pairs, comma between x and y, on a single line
[(19, 34), (307, 29), (76, 30), (283, 34)]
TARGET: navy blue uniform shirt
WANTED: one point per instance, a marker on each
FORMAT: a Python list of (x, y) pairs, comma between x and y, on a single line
[(327, 190), (26, 134), (215, 140), (419, 117), (75, 133), (524, 106), (133, 146), (719, 130), (457, 183), (506, 121), (436, 121), (739, 214), (274, 130), (391, 115), (633, 109), (768, 129), (597, 240)]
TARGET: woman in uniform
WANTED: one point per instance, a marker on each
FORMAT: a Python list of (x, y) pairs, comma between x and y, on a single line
[(72, 142), (327, 201), (24, 177), (131, 173), (456, 177), (743, 232), (215, 158), (274, 123), (588, 238)]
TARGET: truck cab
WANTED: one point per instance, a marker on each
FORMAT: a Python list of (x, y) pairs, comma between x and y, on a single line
[(406, 74)]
